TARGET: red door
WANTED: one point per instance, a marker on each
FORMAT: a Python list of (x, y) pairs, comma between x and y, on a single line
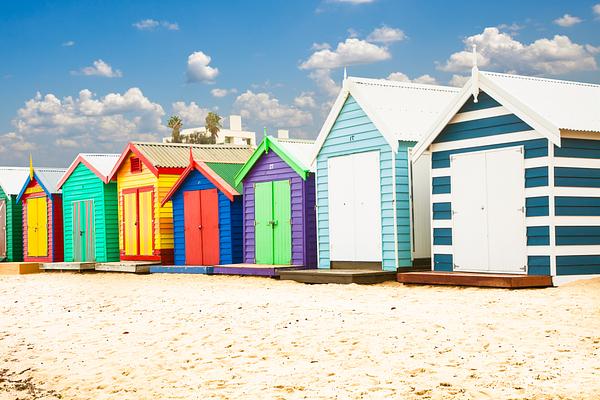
[(201, 224)]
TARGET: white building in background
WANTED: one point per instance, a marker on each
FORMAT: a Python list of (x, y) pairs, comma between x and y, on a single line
[(233, 135)]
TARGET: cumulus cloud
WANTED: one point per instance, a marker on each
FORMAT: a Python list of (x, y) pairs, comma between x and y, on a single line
[(401, 77), (99, 68), (192, 114), (596, 9), (305, 100), (261, 107), (385, 34), (350, 52), (217, 92), (198, 68), (324, 81), (567, 20), (152, 24), (500, 51), (458, 80), (320, 46)]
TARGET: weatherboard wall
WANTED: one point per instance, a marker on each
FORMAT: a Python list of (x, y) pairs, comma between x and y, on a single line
[(14, 227)]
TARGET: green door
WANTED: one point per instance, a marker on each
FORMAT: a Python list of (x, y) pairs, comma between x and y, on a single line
[(272, 219), (83, 231)]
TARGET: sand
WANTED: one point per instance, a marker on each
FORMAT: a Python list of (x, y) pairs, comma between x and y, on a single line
[(118, 336)]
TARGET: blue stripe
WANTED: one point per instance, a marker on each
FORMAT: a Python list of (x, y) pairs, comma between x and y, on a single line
[(442, 210), (577, 177), (483, 101), (483, 127), (442, 262), (577, 206), (578, 148), (535, 177), (538, 265), (577, 235), (442, 236), (538, 235), (578, 265), (537, 206), (533, 148), (440, 184)]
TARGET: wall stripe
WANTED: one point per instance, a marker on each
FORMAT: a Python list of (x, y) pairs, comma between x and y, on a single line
[(440, 184), (442, 211), (577, 265), (442, 236), (577, 206), (538, 265), (535, 177), (578, 148), (577, 177), (484, 100), (481, 128), (577, 235), (537, 206), (442, 262), (538, 235)]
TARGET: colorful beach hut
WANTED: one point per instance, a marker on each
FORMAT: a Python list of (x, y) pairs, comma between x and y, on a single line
[(207, 213), (279, 204), (90, 213), (42, 216), (12, 180), (145, 173), (372, 203), (516, 178)]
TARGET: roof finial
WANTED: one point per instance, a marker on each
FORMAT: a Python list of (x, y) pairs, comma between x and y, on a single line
[(345, 73), (475, 75), (474, 55), (30, 167)]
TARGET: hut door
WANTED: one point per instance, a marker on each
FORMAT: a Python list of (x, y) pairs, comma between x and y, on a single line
[(37, 227), (201, 225), (138, 213), (130, 231), (83, 231), (2, 229), (420, 201), (272, 219)]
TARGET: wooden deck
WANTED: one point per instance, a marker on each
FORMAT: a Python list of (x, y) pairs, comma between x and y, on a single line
[(19, 268), (69, 266), (272, 271), (181, 269), (343, 276), (136, 267), (506, 281)]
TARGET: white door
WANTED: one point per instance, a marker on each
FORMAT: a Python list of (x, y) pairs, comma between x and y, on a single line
[(488, 207), (354, 190), (2, 229), (420, 196)]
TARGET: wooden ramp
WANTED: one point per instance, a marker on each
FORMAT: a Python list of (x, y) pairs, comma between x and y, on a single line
[(136, 267), (343, 276), (19, 268), (69, 266), (272, 271), (506, 281), (181, 269)]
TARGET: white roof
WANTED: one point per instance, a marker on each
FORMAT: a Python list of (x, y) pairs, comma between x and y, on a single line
[(104, 163), (12, 179), (566, 105), (301, 150), (50, 177)]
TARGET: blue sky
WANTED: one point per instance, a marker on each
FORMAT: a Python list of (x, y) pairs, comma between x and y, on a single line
[(88, 76)]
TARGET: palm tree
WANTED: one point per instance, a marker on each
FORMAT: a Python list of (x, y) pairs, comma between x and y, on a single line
[(213, 124), (175, 123)]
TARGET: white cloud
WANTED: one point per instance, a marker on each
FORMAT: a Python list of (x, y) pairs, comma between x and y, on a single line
[(198, 69), (171, 26), (350, 52), (151, 24), (305, 100), (261, 107), (192, 114), (100, 68), (458, 80), (385, 34), (68, 43), (424, 79), (514, 27), (217, 92), (596, 9), (567, 20), (500, 51), (323, 80), (61, 142), (320, 46), (12, 143)]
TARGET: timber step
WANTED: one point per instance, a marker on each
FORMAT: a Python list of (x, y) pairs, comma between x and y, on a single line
[(19, 268), (69, 266), (343, 276), (181, 269), (268, 270), (506, 281), (136, 267)]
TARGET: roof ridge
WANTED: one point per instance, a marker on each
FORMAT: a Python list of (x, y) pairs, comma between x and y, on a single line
[(400, 84), (292, 140), (218, 146), (539, 78)]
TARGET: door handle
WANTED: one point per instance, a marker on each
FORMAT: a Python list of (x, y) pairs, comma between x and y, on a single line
[(199, 226)]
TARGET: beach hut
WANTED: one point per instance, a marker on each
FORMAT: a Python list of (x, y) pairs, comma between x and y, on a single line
[(42, 215), (145, 173), (279, 204), (91, 223), (516, 178), (11, 218), (372, 204), (207, 213)]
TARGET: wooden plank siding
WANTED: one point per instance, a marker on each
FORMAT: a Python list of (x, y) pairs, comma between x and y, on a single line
[(403, 206), (14, 227)]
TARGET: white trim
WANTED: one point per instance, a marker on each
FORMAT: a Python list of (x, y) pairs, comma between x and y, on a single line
[(487, 140), (537, 191), (441, 198), (577, 221), (440, 249), (536, 162), (537, 221), (538, 250), (479, 114), (590, 250), (328, 124), (395, 206), (441, 223), (580, 134), (437, 172), (574, 191), (577, 162), (563, 279)]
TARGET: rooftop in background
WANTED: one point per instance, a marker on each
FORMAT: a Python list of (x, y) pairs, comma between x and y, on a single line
[(49, 178), (12, 179), (233, 135), (99, 164), (300, 149)]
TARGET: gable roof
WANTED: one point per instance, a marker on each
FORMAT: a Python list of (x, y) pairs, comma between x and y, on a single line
[(174, 157), (12, 179), (400, 111), (47, 178), (547, 105), (100, 164), (294, 152)]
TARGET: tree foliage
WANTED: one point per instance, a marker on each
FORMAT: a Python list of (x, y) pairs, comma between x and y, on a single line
[(175, 123)]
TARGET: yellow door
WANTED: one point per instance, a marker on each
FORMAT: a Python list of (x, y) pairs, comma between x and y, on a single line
[(32, 241), (37, 227), (42, 220), (145, 222), (130, 223)]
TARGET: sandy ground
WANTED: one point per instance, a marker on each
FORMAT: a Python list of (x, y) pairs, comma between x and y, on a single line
[(116, 336)]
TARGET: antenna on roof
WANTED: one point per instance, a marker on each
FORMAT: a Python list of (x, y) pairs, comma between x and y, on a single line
[(475, 76), (345, 73)]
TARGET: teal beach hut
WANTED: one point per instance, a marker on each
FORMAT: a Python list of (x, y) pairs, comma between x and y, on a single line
[(12, 180)]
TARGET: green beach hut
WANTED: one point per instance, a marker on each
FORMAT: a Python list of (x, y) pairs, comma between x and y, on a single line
[(90, 214), (11, 220)]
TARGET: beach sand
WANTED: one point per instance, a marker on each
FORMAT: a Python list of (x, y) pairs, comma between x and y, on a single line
[(118, 336)]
